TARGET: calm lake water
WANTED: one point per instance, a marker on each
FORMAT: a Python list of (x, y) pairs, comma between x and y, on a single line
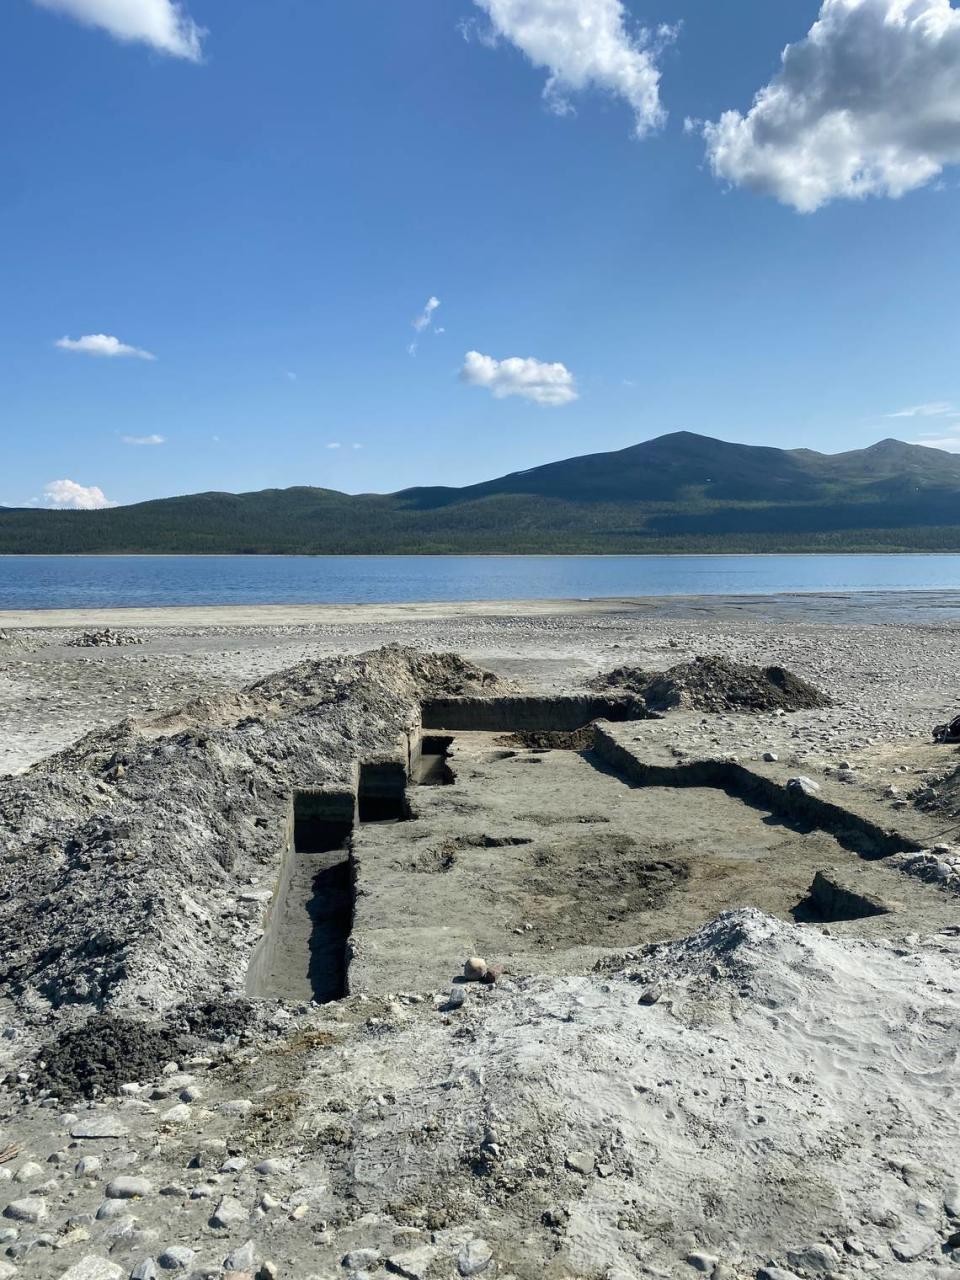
[(55, 582)]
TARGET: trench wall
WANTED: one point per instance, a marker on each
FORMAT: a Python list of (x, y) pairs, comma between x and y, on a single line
[(851, 829), (515, 714)]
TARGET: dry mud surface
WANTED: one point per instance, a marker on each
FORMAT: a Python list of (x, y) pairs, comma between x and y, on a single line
[(724, 1035)]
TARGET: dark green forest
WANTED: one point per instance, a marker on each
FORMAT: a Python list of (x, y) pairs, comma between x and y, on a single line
[(678, 493)]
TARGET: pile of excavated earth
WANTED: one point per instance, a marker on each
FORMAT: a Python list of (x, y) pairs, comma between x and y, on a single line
[(609, 1007), (714, 683)]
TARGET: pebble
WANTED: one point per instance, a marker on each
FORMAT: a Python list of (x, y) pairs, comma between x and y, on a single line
[(236, 1107), (360, 1259), (177, 1258), (475, 969), (806, 786), (228, 1213), (412, 1263), (112, 1209), (177, 1114), (129, 1188), (475, 1256), (93, 1268), (30, 1209), (87, 1165), (274, 1165), (28, 1172), (242, 1259), (580, 1162), (651, 995), (951, 1200), (145, 1270)]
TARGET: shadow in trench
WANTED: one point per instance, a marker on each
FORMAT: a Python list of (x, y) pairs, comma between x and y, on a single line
[(330, 910)]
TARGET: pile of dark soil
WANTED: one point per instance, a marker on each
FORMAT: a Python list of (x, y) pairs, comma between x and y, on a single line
[(716, 684), (103, 1054), (94, 1060)]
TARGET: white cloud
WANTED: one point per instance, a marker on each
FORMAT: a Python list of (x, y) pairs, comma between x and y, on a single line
[(867, 103), (143, 440), (162, 24), (68, 495), (424, 321), (102, 344), (334, 444), (585, 44), (425, 317), (937, 409), (548, 384)]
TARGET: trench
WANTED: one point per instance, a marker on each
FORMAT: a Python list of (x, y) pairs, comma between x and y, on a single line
[(303, 952), (802, 812)]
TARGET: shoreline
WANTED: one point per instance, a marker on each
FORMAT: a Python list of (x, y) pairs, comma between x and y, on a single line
[(285, 615)]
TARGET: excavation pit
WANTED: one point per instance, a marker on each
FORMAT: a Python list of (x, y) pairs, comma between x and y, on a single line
[(303, 952), (592, 852), (433, 768), (382, 792)]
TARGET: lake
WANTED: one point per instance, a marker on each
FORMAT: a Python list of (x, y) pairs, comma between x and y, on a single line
[(66, 582)]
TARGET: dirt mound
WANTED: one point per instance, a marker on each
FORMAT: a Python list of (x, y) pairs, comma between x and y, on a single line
[(714, 683), (632, 679), (103, 1054)]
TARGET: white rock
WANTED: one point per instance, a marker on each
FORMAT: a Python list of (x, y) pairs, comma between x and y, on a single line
[(242, 1259), (93, 1268), (360, 1259), (228, 1213), (29, 1209), (29, 1171), (412, 1263), (129, 1188), (177, 1115), (475, 1256)]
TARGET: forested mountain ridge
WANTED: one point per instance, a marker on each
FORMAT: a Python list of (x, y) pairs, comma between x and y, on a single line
[(678, 492)]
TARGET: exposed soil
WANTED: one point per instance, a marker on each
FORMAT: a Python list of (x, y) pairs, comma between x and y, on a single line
[(550, 739)]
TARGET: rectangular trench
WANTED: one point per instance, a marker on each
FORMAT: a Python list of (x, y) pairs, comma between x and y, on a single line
[(302, 955)]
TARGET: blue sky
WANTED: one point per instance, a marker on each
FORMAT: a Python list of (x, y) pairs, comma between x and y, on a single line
[(264, 197)]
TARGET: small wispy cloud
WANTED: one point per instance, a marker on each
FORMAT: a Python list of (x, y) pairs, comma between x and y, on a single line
[(162, 24), (290, 375), (143, 440), (67, 495), (545, 384), (334, 444), (102, 344), (423, 321), (425, 317), (935, 409)]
